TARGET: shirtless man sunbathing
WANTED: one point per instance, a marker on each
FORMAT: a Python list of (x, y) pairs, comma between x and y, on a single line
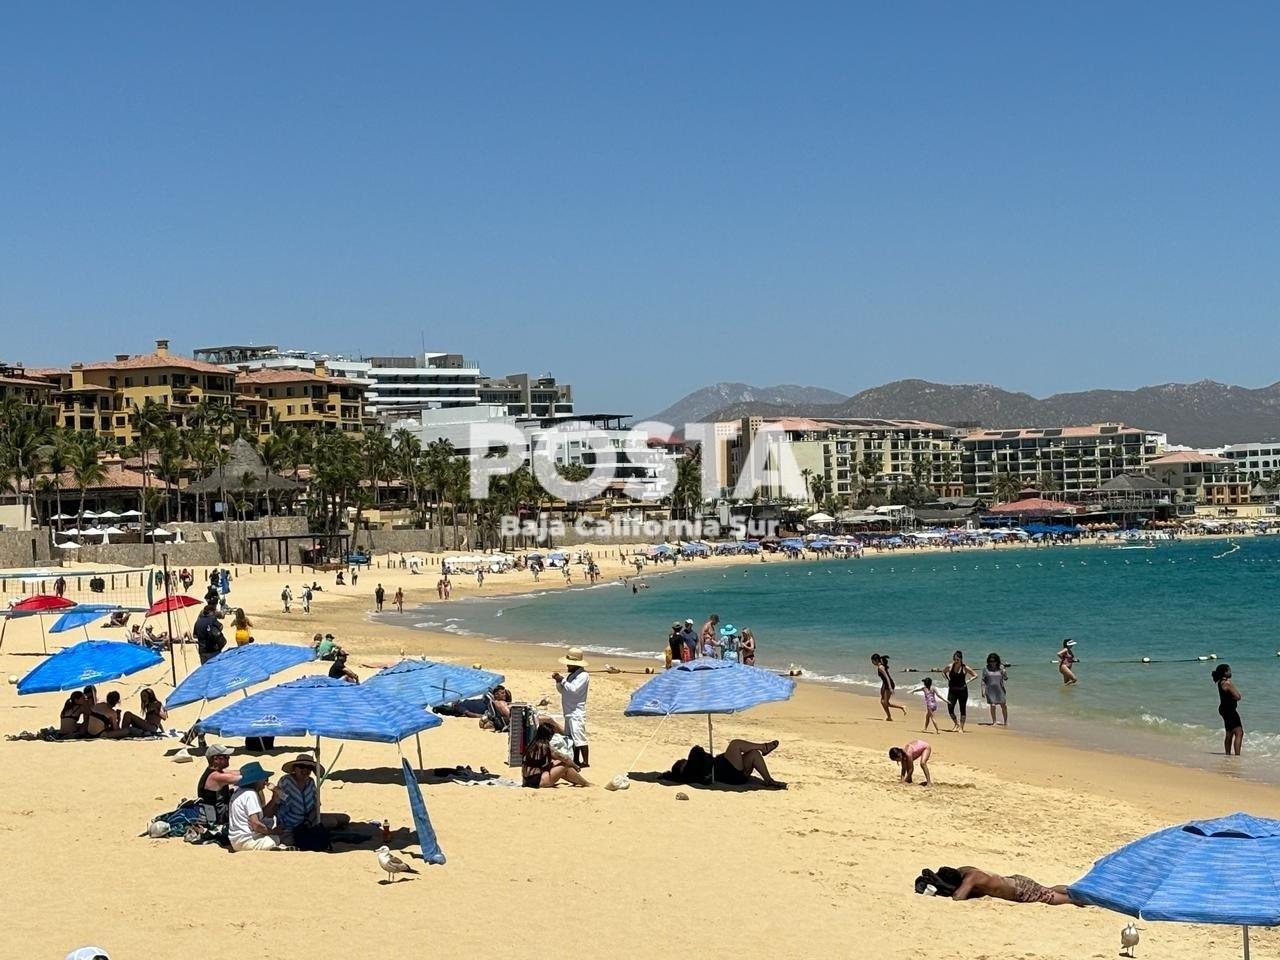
[(970, 883)]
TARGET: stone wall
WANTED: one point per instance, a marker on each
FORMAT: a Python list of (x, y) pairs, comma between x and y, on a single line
[(24, 548)]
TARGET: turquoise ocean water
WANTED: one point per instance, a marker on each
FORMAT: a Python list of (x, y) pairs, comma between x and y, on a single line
[(1175, 603)]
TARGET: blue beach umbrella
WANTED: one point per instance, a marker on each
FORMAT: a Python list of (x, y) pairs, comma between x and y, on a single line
[(708, 686), (237, 668), (90, 661), (428, 684), (1206, 871), (74, 619), (320, 707)]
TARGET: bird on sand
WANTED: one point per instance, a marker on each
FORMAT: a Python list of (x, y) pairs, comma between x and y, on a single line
[(391, 864), (1129, 940)]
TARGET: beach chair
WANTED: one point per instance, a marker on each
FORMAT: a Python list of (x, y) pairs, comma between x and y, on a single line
[(519, 733)]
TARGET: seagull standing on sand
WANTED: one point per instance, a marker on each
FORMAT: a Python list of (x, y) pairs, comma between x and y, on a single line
[(1128, 940), (391, 864)]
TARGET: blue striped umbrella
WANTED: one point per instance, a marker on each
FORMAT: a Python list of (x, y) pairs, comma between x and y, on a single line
[(708, 686), (320, 707), (1206, 871), (237, 668), (430, 684), (88, 662)]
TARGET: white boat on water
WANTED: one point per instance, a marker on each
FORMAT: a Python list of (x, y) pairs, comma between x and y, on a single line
[(1136, 546)]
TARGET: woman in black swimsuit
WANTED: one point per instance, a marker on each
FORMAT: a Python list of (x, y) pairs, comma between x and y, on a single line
[(958, 676), (881, 663), (1228, 709)]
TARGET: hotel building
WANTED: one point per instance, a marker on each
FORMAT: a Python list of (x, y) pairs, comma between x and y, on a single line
[(403, 386), (1068, 461), (305, 399), (100, 397), (1202, 478), (1258, 461), (837, 450)]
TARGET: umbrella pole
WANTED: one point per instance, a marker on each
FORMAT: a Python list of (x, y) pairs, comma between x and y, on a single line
[(1246, 943), (711, 745), (417, 738), (168, 614), (43, 645)]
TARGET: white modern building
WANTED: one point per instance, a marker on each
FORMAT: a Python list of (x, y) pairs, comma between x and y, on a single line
[(639, 469), (402, 386), (1257, 461)]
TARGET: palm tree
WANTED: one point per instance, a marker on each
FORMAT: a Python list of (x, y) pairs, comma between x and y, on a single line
[(86, 469), (806, 474), (1007, 487), (439, 454), (24, 432), (687, 489), (147, 422), (407, 451), (869, 468)]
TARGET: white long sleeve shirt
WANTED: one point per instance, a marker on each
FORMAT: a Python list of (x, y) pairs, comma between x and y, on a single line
[(573, 694)]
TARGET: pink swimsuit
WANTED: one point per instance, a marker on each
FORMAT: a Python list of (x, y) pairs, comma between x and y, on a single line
[(915, 748)]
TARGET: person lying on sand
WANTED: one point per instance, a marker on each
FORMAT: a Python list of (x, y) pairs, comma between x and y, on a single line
[(733, 768), (970, 883)]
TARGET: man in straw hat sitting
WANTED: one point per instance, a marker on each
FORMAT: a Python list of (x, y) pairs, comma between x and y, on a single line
[(573, 703), (298, 811)]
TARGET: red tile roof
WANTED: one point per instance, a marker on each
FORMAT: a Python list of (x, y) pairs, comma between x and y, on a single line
[(280, 375), (144, 361), (1186, 456), (117, 478), (1036, 505)]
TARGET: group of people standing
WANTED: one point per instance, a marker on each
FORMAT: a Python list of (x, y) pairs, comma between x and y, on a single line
[(713, 641), (958, 675)]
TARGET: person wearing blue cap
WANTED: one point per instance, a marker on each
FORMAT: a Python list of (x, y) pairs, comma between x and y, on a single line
[(251, 822)]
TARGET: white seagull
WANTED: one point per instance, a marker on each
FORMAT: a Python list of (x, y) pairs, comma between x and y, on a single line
[(1129, 940), (391, 864)]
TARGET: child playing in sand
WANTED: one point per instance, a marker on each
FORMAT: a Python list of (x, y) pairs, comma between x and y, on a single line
[(908, 756), (930, 705)]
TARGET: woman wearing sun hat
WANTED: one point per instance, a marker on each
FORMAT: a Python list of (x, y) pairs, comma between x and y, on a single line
[(251, 822), (573, 702)]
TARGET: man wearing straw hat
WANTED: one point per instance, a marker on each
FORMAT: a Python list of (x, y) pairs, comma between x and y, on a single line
[(573, 702)]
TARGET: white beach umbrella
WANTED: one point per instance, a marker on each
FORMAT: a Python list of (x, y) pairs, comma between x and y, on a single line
[(62, 516), (130, 514), (112, 529), (90, 515), (108, 515), (69, 545)]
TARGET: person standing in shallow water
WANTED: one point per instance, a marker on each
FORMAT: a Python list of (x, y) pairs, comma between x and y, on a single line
[(1229, 709), (1067, 661)]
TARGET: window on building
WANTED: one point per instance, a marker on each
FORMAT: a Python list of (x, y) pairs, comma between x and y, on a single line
[(128, 382), (289, 410)]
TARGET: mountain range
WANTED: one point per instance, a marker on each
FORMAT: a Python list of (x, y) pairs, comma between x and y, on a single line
[(697, 407), (1202, 414)]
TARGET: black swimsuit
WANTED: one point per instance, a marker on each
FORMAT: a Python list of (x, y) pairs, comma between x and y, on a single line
[(957, 692), (1228, 709)]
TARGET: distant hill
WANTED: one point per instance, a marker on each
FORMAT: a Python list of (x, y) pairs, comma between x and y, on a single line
[(1202, 414), (694, 407)]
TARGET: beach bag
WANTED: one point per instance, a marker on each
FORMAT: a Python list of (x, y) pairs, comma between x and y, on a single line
[(188, 813), (312, 836)]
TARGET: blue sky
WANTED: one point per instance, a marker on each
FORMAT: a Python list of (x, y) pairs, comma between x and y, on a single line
[(647, 199)]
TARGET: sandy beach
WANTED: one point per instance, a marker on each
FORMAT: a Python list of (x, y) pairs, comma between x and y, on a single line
[(827, 864)]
